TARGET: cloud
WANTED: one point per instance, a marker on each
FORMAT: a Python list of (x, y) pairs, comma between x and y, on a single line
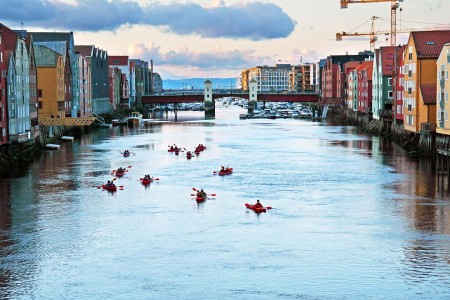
[(254, 20), (235, 60)]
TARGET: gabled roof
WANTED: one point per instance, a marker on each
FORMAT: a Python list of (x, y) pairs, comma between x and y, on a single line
[(342, 59), (430, 43), (366, 66), (428, 93), (350, 66), (118, 60), (51, 36), (45, 57), (57, 46), (9, 40), (84, 50)]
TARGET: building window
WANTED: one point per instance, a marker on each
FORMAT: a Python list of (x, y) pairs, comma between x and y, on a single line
[(390, 94), (39, 93), (40, 105), (389, 81)]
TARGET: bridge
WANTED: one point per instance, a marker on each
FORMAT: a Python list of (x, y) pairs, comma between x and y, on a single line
[(199, 97)]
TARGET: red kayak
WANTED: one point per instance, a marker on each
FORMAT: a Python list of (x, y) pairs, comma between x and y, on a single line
[(226, 172), (111, 188), (257, 210), (173, 150), (146, 181), (126, 154), (119, 174), (188, 156), (200, 199)]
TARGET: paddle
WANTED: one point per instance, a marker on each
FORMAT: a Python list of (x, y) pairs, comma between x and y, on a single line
[(212, 195), (152, 178)]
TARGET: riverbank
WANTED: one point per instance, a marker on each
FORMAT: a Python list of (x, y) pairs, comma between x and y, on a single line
[(415, 144)]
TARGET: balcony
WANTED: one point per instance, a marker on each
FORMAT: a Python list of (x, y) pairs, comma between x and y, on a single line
[(442, 83), (442, 104)]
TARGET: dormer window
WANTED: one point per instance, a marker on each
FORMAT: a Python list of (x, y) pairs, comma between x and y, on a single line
[(430, 43)]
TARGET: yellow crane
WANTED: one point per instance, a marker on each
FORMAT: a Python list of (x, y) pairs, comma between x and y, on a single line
[(395, 4)]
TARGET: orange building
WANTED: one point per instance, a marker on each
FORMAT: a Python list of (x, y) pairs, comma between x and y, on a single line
[(420, 77), (51, 80)]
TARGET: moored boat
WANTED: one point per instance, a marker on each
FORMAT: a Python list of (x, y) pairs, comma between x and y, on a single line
[(135, 119)]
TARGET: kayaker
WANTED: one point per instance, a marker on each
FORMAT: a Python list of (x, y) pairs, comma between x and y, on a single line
[(258, 205), (202, 193), (223, 169), (108, 184)]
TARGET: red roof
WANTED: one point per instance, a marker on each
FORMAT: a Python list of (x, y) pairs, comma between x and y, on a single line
[(350, 66), (368, 67), (9, 40), (118, 60), (428, 93), (429, 44), (85, 51)]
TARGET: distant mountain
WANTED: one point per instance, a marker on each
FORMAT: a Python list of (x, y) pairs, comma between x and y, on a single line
[(197, 83)]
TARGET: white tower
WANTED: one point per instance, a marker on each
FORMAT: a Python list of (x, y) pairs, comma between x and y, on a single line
[(253, 90), (207, 91)]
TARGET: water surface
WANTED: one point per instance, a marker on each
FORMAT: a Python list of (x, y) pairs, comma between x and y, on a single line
[(354, 217)]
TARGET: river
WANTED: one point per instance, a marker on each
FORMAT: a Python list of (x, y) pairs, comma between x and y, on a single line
[(354, 217)]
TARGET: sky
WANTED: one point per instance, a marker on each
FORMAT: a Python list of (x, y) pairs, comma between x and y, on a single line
[(220, 38)]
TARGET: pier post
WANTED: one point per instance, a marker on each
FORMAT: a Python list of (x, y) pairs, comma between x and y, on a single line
[(210, 106)]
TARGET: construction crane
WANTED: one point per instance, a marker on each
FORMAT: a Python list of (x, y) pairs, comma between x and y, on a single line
[(373, 33), (394, 6)]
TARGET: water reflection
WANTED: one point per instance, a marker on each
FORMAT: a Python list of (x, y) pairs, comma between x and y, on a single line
[(340, 198)]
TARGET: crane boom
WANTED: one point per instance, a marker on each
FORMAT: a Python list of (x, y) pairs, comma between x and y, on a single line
[(394, 6)]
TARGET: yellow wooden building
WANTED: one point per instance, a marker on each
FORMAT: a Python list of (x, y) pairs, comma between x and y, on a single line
[(420, 77), (50, 78)]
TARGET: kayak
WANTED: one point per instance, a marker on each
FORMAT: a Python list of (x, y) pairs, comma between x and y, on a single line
[(119, 174), (146, 181), (173, 150), (200, 198), (177, 152), (222, 173), (111, 188), (257, 210), (126, 154), (188, 156)]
